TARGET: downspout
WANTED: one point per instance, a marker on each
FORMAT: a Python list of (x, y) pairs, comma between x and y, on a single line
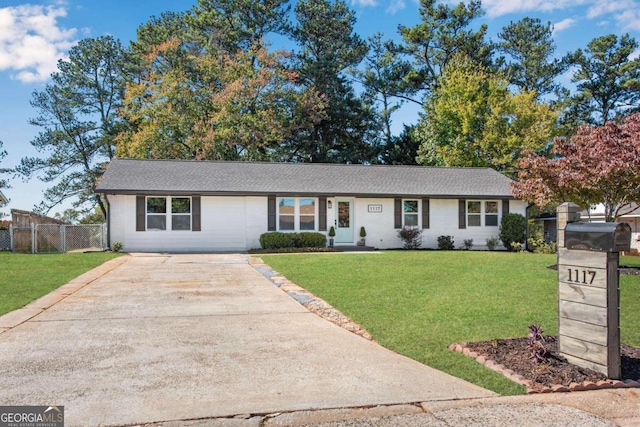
[(108, 221)]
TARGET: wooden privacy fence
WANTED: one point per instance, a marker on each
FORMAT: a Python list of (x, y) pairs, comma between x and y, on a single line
[(56, 238)]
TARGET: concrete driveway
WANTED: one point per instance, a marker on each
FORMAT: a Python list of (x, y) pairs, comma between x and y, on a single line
[(184, 337)]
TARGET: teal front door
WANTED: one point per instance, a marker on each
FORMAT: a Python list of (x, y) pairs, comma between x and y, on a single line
[(344, 221)]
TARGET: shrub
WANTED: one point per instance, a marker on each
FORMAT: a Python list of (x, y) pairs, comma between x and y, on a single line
[(446, 243), (537, 350), (539, 246), (363, 232), (492, 242), (411, 237), (116, 246), (467, 244), (513, 229), (311, 240), (517, 247), (278, 240)]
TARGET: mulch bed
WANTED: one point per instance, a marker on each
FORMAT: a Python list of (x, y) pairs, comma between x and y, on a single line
[(514, 354)]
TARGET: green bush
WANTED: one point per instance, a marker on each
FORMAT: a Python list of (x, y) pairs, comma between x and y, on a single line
[(411, 237), (116, 246), (513, 229), (446, 243), (539, 246), (278, 240), (311, 240), (492, 242), (467, 244)]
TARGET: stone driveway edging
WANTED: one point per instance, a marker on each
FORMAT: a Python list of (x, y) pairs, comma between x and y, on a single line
[(558, 388), (17, 317), (311, 302)]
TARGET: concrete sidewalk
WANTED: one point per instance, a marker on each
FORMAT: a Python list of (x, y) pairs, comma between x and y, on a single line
[(165, 339)]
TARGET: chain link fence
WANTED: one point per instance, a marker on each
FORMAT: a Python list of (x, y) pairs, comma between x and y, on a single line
[(5, 240), (55, 238)]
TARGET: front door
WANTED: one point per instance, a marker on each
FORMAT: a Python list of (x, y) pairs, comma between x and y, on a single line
[(344, 221)]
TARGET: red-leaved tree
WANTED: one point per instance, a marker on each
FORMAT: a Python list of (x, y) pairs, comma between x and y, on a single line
[(600, 164)]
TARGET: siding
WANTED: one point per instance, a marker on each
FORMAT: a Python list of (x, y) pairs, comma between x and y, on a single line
[(228, 224), (236, 223)]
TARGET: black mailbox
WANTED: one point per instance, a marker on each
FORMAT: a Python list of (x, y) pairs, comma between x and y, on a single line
[(598, 236)]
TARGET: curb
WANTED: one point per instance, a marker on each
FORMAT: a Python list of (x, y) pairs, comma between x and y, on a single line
[(530, 385)]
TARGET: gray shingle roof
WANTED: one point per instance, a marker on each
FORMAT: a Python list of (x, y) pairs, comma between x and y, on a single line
[(130, 176)]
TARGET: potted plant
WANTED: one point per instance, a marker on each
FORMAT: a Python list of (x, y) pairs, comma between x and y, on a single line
[(332, 234), (363, 234)]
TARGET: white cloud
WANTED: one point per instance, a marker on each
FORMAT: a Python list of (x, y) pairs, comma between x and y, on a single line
[(563, 25), (395, 6), (629, 20), (604, 7), (504, 7), (635, 54), (364, 3), (31, 42)]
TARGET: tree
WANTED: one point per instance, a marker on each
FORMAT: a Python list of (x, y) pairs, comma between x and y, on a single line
[(443, 32), (222, 106), (607, 80), (472, 119), (600, 164), (382, 78), (198, 94), (77, 113), (402, 149), (233, 25), (529, 44), (328, 47)]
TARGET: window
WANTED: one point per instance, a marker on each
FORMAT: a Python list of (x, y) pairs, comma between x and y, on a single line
[(410, 213), (286, 214), (491, 214), (156, 213), (296, 214), (477, 209), (178, 209), (180, 213), (474, 214), (307, 214)]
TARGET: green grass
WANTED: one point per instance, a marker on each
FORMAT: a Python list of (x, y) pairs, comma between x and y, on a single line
[(417, 303), (27, 277)]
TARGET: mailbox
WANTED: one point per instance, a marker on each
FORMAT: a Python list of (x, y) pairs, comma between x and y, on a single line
[(598, 236)]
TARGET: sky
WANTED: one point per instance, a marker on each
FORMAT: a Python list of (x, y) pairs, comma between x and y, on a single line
[(35, 35)]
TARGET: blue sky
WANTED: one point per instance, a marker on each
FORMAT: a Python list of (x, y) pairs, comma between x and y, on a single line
[(34, 35)]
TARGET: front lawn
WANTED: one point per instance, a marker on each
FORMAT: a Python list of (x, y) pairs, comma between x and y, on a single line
[(417, 303), (27, 277)]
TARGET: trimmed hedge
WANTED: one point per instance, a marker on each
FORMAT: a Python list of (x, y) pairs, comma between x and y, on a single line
[(278, 240)]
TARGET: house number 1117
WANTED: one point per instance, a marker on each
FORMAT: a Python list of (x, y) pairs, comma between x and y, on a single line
[(585, 277)]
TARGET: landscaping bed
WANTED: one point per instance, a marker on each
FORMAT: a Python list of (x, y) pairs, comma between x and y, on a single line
[(514, 354)]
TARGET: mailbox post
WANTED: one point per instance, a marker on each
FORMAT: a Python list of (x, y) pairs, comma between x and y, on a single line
[(588, 288)]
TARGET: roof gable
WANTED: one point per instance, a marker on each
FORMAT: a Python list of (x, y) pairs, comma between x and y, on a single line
[(132, 176)]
